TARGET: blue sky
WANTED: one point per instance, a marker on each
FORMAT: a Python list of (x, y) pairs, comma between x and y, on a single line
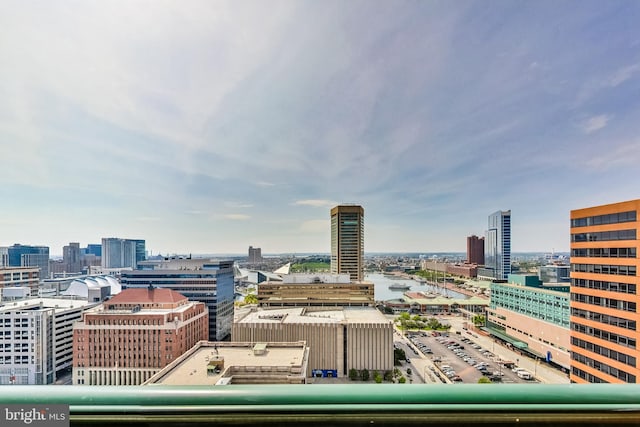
[(210, 126)]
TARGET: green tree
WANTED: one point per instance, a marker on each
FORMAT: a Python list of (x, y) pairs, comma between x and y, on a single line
[(433, 323), (402, 320), (364, 374), (484, 380), (478, 320), (402, 380), (399, 356), (396, 372), (416, 318), (251, 298), (388, 376), (353, 374), (377, 377), (409, 371)]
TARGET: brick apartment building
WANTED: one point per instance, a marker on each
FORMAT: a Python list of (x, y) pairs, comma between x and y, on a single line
[(135, 334)]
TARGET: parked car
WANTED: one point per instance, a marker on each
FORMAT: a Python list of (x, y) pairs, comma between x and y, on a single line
[(525, 375)]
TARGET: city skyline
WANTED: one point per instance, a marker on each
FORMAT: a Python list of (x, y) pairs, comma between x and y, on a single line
[(212, 126)]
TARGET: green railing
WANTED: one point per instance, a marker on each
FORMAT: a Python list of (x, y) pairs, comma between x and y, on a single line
[(344, 404)]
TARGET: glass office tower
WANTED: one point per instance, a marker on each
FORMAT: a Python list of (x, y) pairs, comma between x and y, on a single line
[(498, 244)]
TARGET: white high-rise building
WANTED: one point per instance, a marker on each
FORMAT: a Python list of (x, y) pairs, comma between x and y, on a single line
[(37, 339), (122, 253)]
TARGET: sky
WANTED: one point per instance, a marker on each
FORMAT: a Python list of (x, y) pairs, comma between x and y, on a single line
[(210, 126)]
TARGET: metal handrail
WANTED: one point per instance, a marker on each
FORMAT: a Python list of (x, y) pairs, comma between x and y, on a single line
[(343, 404)]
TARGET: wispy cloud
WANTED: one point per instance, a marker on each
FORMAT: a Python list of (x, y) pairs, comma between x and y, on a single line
[(623, 74), (616, 156), (237, 205), (237, 217), (595, 123), (315, 226), (200, 114), (316, 203)]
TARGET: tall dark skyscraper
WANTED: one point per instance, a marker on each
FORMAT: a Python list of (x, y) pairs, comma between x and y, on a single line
[(497, 255), (347, 241), (475, 250)]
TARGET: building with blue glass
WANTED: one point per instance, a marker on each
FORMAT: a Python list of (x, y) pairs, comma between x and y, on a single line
[(210, 282), (30, 256), (93, 249), (122, 253), (497, 254)]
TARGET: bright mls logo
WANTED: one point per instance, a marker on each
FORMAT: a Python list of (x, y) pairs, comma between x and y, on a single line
[(34, 415)]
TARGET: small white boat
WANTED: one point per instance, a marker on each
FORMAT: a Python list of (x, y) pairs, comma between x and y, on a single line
[(399, 287)]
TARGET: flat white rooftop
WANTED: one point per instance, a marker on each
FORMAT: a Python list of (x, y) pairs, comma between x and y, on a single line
[(313, 315), (59, 304), (271, 360)]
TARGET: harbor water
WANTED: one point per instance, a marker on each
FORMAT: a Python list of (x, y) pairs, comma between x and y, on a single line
[(383, 293)]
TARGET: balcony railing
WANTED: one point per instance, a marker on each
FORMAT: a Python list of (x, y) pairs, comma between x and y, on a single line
[(344, 404)]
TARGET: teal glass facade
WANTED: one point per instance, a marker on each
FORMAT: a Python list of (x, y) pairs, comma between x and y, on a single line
[(548, 305)]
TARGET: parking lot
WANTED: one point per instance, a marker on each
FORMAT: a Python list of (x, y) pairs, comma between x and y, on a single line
[(462, 360)]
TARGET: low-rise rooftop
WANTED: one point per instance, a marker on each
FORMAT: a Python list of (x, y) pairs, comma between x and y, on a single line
[(314, 315), (223, 363)]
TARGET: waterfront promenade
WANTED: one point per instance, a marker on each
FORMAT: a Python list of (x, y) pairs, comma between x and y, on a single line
[(446, 285)]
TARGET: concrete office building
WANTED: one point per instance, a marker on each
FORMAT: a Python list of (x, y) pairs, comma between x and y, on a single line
[(531, 317), (30, 256), (37, 339), (339, 339), (347, 241), (255, 255), (122, 253), (497, 254), (296, 290), (234, 363), (475, 250), (604, 299), (554, 273), (28, 277), (72, 258), (134, 335), (4, 256), (210, 282)]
